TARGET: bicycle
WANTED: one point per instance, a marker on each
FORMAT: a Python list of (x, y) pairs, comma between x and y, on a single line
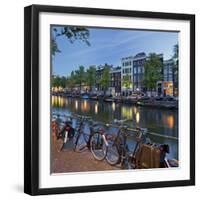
[(118, 151), (62, 128), (95, 141), (145, 154)]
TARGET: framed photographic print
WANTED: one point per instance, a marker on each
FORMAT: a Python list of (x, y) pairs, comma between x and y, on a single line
[(109, 99)]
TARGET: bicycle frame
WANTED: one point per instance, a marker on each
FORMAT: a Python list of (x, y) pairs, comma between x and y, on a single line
[(80, 132), (121, 143)]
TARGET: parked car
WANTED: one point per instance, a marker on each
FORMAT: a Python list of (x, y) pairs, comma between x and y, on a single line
[(158, 98), (169, 98), (145, 97)]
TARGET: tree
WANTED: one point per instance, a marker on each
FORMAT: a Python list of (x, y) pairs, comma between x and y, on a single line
[(54, 47), (72, 33), (175, 67), (70, 83), (90, 76), (152, 71), (126, 82), (55, 81), (63, 82), (105, 79), (80, 76), (59, 81)]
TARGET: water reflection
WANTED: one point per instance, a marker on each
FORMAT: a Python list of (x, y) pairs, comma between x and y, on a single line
[(160, 121), (127, 112), (156, 119), (135, 109), (170, 121), (66, 102), (96, 108), (137, 116), (76, 104), (113, 106), (58, 101), (85, 106)]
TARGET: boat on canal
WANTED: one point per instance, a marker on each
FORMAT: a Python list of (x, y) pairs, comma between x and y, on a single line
[(85, 96), (93, 97), (108, 98), (159, 104)]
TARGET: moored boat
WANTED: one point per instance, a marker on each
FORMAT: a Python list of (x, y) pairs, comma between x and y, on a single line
[(85, 96)]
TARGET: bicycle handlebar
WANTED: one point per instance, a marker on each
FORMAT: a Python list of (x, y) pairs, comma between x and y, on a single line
[(120, 121)]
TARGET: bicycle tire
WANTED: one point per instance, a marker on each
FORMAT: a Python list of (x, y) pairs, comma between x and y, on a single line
[(113, 155), (98, 147), (79, 146)]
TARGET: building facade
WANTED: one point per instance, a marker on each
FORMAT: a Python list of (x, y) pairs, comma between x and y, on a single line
[(133, 66), (138, 71), (115, 81), (127, 73), (99, 74), (168, 77), (132, 71)]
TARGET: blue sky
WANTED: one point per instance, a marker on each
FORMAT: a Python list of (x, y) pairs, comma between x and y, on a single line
[(109, 46)]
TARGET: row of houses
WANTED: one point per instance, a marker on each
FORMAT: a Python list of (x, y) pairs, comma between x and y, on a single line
[(133, 66)]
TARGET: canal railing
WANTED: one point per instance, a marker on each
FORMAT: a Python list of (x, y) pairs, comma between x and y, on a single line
[(155, 134), (76, 116), (163, 136)]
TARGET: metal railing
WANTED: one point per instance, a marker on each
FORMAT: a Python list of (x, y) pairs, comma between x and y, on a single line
[(116, 125)]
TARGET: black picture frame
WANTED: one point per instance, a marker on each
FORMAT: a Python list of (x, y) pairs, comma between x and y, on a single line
[(31, 98)]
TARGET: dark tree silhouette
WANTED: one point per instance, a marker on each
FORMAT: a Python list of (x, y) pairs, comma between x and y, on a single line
[(72, 33)]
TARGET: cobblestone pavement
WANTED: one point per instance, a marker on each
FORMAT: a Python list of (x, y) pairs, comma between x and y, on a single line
[(70, 161)]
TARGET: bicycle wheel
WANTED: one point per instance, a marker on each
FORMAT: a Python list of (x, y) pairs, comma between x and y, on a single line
[(113, 155), (98, 146), (80, 145)]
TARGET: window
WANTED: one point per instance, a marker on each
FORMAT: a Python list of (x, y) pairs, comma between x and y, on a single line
[(139, 70), (170, 77), (170, 69), (142, 69), (140, 77), (135, 70), (135, 78), (127, 70)]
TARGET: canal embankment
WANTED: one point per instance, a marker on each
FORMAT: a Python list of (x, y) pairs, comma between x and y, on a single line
[(165, 103)]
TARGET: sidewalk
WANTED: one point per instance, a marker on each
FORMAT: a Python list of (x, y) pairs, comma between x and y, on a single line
[(70, 161)]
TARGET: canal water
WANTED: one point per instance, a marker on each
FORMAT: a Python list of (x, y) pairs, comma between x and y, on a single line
[(161, 121)]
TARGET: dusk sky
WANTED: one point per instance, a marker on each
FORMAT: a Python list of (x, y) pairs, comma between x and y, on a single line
[(109, 46)]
